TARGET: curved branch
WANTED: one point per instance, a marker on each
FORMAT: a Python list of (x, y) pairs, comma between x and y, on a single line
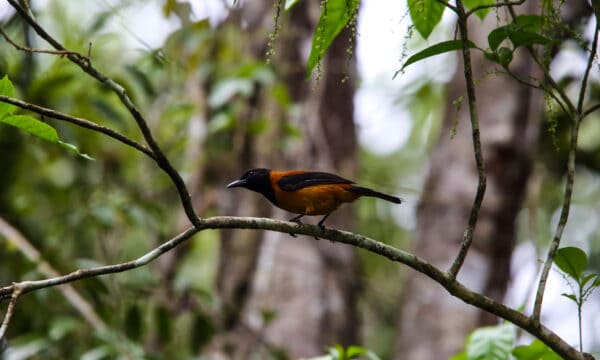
[(454, 287), (474, 117), (84, 123), (85, 64), (562, 223), (586, 75)]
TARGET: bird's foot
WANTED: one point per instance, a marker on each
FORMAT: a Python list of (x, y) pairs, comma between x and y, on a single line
[(297, 220)]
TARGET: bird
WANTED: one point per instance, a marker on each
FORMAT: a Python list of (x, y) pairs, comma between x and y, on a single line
[(306, 192)]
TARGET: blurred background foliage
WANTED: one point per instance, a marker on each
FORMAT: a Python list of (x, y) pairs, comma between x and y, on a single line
[(81, 213)]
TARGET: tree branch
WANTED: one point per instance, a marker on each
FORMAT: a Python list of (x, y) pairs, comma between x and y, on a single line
[(454, 287), (16, 291), (32, 50), (86, 65), (474, 116), (586, 75), (84, 123), (590, 110), (15, 237)]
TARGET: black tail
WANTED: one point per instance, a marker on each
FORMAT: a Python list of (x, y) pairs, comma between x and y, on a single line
[(363, 191)]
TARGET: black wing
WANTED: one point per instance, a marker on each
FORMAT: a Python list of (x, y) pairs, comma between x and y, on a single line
[(311, 178)]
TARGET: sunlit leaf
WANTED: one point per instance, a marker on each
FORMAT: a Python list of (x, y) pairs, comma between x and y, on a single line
[(470, 4), (587, 278), (572, 261), (335, 15), (425, 15), (6, 89), (289, 4), (570, 296), (74, 149), (459, 356), (32, 126), (537, 350), (491, 343), (437, 49)]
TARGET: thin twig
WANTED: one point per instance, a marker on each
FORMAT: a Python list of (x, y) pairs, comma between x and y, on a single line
[(570, 108), (474, 117), (454, 287), (539, 87), (564, 216), (590, 110), (84, 123), (576, 118), (85, 64), (586, 75), (32, 50), (16, 291), (19, 241)]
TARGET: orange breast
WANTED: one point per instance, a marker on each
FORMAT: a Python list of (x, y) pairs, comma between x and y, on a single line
[(314, 200)]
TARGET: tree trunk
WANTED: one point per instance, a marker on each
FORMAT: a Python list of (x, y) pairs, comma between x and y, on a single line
[(433, 325)]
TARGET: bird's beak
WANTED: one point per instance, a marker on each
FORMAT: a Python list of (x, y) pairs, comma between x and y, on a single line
[(237, 183)]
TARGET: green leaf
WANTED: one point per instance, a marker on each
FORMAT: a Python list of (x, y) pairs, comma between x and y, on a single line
[(33, 126), (491, 343), (439, 48), (519, 34), (335, 15), (459, 356), (586, 278), (289, 4), (6, 89), (425, 15), (572, 261), (75, 150), (354, 350), (570, 296), (470, 4), (537, 350)]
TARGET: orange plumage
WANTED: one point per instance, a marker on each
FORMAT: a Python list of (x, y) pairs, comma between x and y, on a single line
[(305, 192)]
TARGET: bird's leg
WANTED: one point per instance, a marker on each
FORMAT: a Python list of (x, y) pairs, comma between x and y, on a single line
[(297, 220), (320, 223)]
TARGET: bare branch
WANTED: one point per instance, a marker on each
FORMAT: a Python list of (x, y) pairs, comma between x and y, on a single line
[(474, 117), (590, 110), (15, 237), (16, 291), (562, 222), (31, 50), (586, 75), (84, 123), (85, 64), (454, 287)]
